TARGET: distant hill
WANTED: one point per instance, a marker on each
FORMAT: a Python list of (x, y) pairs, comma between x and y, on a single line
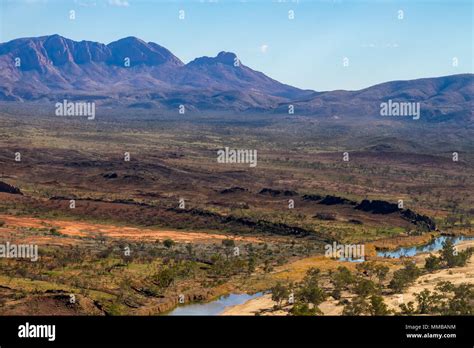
[(133, 73), (440, 98)]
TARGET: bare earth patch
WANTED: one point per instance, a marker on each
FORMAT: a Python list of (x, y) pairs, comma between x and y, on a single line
[(86, 229)]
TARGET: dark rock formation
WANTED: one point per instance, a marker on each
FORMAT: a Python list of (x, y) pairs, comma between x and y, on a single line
[(332, 200), (110, 175), (418, 219), (384, 207), (377, 207), (4, 187), (314, 198), (275, 193), (233, 190)]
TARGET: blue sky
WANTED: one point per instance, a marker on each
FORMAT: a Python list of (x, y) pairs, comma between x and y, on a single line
[(306, 52)]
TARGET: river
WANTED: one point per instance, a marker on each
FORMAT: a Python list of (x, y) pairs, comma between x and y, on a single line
[(215, 307), (434, 245)]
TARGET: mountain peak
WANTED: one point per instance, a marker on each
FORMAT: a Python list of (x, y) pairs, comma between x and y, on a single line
[(59, 49), (129, 40), (139, 52), (55, 36), (37, 53), (226, 58), (130, 64)]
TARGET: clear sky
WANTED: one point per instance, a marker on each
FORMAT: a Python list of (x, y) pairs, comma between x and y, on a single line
[(307, 51)]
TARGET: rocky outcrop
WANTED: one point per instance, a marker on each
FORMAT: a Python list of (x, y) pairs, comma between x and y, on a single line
[(313, 198), (418, 219), (377, 207), (232, 190), (111, 175), (262, 226), (332, 200), (276, 193), (4, 187), (384, 207)]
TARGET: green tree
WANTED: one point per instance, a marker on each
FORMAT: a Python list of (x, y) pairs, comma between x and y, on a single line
[(228, 243), (408, 309), (364, 287), (378, 306), (251, 265), (189, 249), (357, 306), (279, 293), (341, 279), (448, 253), (303, 309), (432, 263), (381, 272), (164, 278), (426, 302), (404, 277)]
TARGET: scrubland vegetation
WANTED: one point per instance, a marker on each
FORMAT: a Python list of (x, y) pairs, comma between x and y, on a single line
[(299, 197)]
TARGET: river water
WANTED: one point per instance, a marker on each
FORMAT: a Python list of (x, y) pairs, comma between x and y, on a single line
[(215, 307), (434, 245)]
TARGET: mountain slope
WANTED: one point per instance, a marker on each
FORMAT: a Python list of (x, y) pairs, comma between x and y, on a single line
[(133, 73), (53, 65), (440, 98)]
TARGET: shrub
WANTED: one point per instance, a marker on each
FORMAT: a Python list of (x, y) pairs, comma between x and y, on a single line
[(378, 306), (279, 294), (432, 263), (446, 299), (168, 243), (449, 258), (228, 243), (404, 277), (164, 278), (54, 232), (340, 279), (326, 216), (303, 309)]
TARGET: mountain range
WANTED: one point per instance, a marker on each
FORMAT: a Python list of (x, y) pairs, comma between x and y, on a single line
[(134, 73)]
